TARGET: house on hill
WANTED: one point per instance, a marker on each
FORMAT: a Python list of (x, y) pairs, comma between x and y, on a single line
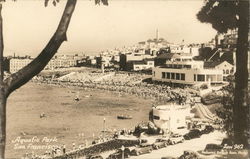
[(225, 66), (163, 58), (145, 64)]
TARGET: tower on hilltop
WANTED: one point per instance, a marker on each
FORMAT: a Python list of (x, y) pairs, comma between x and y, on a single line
[(157, 34)]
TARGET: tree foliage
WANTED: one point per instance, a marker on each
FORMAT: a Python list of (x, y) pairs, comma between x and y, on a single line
[(222, 14), (225, 15), (104, 2), (54, 2), (226, 111)]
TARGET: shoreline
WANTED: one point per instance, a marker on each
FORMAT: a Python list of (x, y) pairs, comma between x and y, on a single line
[(161, 94)]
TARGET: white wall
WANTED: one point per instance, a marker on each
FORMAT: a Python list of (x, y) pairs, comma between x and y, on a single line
[(189, 74), (170, 117)]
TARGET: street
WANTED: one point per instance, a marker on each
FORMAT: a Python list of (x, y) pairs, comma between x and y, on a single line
[(178, 149)]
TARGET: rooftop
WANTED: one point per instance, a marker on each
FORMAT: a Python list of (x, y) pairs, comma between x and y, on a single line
[(171, 107)]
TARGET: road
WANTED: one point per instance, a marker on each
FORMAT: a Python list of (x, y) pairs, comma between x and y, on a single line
[(178, 149)]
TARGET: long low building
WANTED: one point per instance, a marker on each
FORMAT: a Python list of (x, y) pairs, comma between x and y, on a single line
[(17, 63), (187, 76), (184, 70)]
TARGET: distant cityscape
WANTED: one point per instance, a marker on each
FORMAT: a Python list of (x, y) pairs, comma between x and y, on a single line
[(167, 62)]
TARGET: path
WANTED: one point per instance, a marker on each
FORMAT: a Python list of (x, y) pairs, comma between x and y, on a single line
[(204, 112)]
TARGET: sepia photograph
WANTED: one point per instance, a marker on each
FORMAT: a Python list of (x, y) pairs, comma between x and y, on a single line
[(124, 79)]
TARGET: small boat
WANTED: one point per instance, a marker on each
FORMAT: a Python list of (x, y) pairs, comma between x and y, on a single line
[(124, 117), (77, 97)]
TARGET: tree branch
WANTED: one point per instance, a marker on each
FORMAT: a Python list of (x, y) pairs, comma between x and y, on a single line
[(1, 46), (21, 77)]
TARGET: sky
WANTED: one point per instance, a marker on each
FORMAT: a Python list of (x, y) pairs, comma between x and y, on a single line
[(28, 25)]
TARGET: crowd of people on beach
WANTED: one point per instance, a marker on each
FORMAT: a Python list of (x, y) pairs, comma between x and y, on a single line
[(127, 83)]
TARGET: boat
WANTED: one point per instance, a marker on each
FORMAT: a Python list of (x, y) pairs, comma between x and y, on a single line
[(124, 116), (77, 97)]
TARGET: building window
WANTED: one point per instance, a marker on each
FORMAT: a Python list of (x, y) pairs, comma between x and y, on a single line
[(172, 75), (183, 76), (178, 76), (187, 66), (227, 72), (232, 70), (194, 77), (156, 117), (168, 75), (163, 75), (200, 77)]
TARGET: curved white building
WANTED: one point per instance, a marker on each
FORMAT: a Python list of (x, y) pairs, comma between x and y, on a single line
[(170, 117)]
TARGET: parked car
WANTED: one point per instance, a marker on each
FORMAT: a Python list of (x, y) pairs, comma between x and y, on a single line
[(142, 149), (176, 138), (189, 155), (227, 141), (213, 148), (168, 157), (145, 144), (118, 154), (160, 143), (208, 129), (195, 133), (94, 157)]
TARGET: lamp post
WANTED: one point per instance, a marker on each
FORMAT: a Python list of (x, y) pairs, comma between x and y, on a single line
[(104, 120), (122, 148)]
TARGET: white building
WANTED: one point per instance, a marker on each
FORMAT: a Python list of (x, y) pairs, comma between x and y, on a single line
[(143, 65), (126, 60), (138, 57), (192, 51), (184, 70), (60, 63), (171, 117), (18, 63), (226, 67)]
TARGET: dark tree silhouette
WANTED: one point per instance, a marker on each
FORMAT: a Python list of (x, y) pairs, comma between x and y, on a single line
[(16, 80), (21, 77), (225, 15)]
